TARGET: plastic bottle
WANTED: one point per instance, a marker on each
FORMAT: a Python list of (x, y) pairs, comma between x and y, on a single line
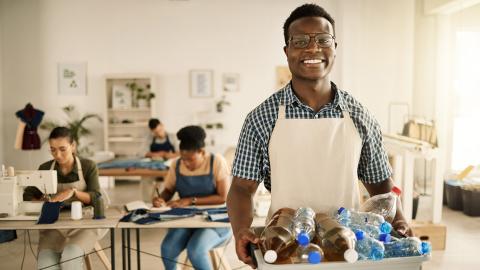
[(383, 204), (277, 240), (372, 230), (368, 248), (309, 253), (304, 225), (336, 241), (345, 216), (405, 247)]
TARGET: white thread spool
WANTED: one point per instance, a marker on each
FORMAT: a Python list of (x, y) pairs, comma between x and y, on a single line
[(11, 171), (76, 210)]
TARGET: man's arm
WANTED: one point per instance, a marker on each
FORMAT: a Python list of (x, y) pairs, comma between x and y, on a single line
[(240, 212), (399, 223)]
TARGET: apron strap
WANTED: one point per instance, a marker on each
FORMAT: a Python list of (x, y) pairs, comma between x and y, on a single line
[(79, 168)]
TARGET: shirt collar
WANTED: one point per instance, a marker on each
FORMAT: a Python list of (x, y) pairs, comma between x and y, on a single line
[(290, 98)]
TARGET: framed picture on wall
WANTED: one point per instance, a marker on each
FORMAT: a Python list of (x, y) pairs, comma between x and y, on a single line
[(230, 82), (201, 83), (72, 79)]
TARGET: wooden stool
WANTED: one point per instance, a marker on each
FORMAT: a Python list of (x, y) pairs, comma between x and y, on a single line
[(219, 261)]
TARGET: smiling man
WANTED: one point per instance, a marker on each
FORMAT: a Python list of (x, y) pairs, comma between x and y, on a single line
[(310, 142)]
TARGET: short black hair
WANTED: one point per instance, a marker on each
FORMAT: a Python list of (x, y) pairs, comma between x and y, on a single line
[(61, 132), (153, 123), (191, 138), (306, 10)]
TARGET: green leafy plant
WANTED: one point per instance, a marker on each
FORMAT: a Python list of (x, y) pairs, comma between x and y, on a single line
[(140, 92), (76, 125)]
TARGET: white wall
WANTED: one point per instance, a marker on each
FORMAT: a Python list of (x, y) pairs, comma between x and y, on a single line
[(169, 38), (1, 86)]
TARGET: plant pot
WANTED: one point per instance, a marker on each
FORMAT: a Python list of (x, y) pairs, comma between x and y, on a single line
[(142, 103)]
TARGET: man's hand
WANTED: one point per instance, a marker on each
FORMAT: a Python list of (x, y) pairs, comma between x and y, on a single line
[(402, 227), (242, 239), (158, 202), (63, 195), (180, 202)]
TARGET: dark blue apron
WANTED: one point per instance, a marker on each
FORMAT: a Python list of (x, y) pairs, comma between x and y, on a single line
[(166, 146), (195, 186)]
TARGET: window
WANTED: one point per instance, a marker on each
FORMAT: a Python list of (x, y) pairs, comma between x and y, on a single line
[(466, 106)]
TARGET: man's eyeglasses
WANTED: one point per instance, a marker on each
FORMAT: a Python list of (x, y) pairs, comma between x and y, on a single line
[(301, 41)]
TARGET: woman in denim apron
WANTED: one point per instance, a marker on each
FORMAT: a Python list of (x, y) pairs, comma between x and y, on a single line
[(200, 178)]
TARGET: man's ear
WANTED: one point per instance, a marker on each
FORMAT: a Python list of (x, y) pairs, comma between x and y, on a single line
[(285, 50)]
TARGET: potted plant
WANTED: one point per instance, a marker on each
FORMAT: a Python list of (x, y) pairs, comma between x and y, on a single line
[(141, 96), (76, 125)]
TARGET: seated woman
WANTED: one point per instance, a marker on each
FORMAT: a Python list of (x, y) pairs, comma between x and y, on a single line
[(77, 181), (200, 178), (161, 144)]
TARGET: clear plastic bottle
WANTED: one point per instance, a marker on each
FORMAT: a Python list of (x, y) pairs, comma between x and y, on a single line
[(405, 247), (372, 230), (277, 239), (304, 225), (336, 241), (383, 204), (345, 216), (309, 253), (368, 248)]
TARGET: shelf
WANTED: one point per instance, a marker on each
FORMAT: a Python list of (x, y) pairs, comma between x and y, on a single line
[(145, 110), (129, 125), (126, 139)]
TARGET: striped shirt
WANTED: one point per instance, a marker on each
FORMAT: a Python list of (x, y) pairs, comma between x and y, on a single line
[(252, 159)]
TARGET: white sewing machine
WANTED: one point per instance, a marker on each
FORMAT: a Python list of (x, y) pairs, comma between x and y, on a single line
[(11, 192)]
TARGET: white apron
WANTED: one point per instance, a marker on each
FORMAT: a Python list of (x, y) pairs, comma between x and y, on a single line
[(57, 239), (314, 163)]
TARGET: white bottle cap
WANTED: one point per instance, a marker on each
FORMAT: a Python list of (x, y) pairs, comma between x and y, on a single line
[(270, 256), (350, 255)]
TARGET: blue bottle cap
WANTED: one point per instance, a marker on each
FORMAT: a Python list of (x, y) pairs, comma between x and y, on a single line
[(385, 237), (359, 234), (386, 227), (314, 257), (426, 248), (303, 239), (340, 210)]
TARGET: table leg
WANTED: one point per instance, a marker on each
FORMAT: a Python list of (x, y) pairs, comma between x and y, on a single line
[(138, 248), (124, 258), (112, 247), (129, 256)]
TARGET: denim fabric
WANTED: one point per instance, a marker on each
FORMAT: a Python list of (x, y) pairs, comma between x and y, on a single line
[(198, 243), (133, 163), (70, 259)]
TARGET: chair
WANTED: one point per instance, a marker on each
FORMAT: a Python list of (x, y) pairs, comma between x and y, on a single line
[(217, 255), (101, 255)]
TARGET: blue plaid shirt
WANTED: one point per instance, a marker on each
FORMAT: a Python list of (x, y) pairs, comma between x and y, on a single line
[(251, 157)]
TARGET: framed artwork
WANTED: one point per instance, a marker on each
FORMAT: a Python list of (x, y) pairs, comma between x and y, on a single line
[(230, 82), (121, 97), (72, 79), (201, 83)]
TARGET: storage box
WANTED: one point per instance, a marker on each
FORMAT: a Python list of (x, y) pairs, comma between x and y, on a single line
[(471, 200), (405, 263), (436, 234)]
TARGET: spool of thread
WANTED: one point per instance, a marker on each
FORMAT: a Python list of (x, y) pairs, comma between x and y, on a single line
[(76, 210), (11, 171)]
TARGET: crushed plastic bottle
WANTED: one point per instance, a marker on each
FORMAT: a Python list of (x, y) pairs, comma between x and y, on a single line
[(406, 247), (368, 248), (372, 230), (344, 216), (277, 238), (336, 241), (304, 225), (383, 204), (309, 253)]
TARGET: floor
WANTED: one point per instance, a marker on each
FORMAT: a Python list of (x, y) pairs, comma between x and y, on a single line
[(462, 252)]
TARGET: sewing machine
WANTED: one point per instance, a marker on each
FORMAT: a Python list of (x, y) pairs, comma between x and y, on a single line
[(11, 191)]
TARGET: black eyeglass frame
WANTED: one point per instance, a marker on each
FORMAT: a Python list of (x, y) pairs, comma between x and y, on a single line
[(315, 37)]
